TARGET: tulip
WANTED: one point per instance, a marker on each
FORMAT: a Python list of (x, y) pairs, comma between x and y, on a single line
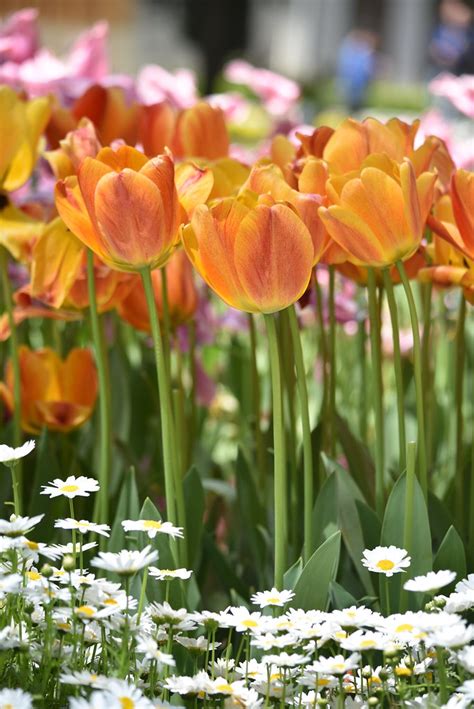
[(457, 227), (80, 143), (201, 132), (58, 394), (124, 207), (21, 125), (378, 215), (256, 258), (182, 295), (19, 232)]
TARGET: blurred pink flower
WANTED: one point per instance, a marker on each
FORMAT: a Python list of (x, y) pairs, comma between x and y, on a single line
[(461, 148), (155, 84), (457, 89), (19, 39), (278, 93)]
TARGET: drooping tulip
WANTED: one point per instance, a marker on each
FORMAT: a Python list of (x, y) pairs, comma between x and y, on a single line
[(124, 207), (58, 394), (256, 257)]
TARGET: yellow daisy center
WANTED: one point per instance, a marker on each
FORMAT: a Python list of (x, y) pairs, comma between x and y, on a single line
[(339, 666), (33, 575), (404, 628), (32, 545), (385, 564), (151, 524), (250, 623), (126, 702), (367, 643), (323, 682), (224, 687), (403, 672), (273, 599), (69, 488), (110, 602), (86, 610)]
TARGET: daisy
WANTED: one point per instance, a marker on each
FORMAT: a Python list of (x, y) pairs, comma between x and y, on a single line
[(430, 582), (83, 526), (71, 487), (286, 660), (337, 665), (15, 697), (125, 562), (152, 527), (83, 679), (386, 560), (149, 647), (18, 526), (10, 456), (169, 574), (70, 548), (272, 598), (361, 641)]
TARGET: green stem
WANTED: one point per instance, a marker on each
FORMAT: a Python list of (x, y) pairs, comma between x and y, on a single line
[(361, 342), (459, 478), (443, 684), (73, 531), (141, 602), (332, 361), (426, 368), (166, 320), (471, 501), (409, 506), (323, 343), (306, 426), (259, 443), (397, 366), (192, 371), (418, 379), (16, 491), (280, 486), (15, 360), (172, 480), (102, 508), (378, 393)]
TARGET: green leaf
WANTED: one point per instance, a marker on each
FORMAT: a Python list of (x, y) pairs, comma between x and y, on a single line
[(47, 468), (451, 555), (292, 575), (194, 500), (128, 508), (312, 588), (393, 533), (358, 457), (340, 598), (252, 515), (371, 526)]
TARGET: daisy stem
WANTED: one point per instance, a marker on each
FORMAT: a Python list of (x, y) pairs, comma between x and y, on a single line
[(459, 392), (307, 445), (164, 390), (15, 362), (378, 401), (16, 489), (259, 443), (141, 602), (332, 361), (279, 461), (443, 687), (102, 506), (418, 379), (397, 366), (73, 531)]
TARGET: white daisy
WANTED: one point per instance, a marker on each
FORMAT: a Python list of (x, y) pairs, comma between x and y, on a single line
[(149, 647), (336, 665), (10, 456), (18, 526), (125, 562), (169, 574), (71, 487), (361, 641), (285, 659), (272, 598), (83, 526), (430, 582), (16, 698), (467, 689), (70, 548), (152, 527), (386, 560)]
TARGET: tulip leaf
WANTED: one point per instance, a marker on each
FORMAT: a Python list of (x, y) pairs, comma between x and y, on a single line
[(194, 502), (128, 507), (312, 587), (292, 575), (340, 598), (47, 468), (393, 533), (451, 555), (358, 457)]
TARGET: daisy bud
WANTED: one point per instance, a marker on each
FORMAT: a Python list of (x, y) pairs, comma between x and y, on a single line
[(29, 608), (47, 571), (372, 701), (367, 672), (384, 674), (321, 702), (69, 563)]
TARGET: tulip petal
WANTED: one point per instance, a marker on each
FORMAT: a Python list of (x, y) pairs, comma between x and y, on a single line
[(354, 235)]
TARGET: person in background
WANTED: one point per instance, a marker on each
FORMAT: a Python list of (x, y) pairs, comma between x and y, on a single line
[(451, 46), (356, 67)]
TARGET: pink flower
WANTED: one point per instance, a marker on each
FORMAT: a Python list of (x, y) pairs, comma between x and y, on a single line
[(279, 94), (458, 89), (155, 84), (19, 36)]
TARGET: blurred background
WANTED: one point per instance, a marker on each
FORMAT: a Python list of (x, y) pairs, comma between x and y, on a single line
[(376, 52)]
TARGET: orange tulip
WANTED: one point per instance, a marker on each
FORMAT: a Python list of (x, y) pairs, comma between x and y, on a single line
[(124, 207), (58, 394), (80, 143), (457, 226), (257, 258), (378, 215), (201, 132), (182, 295), (19, 232)]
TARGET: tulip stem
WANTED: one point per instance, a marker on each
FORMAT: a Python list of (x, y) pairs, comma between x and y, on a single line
[(459, 391), (15, 360), (307, 444), (378, 393), (361, 341), (332, 361), (397, 366), (166, 320), (418, 379), (322, 338), (164, 390), (409, 502), (279, 458), (259, 443), (102, 507)]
